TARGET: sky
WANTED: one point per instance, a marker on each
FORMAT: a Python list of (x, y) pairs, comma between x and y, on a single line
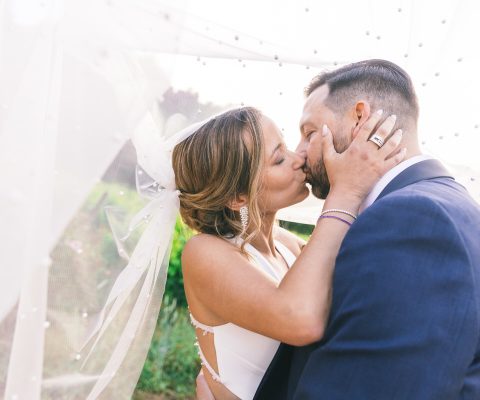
[(264, 53)]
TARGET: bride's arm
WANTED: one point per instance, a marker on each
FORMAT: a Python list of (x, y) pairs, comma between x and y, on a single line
[(221, 280)]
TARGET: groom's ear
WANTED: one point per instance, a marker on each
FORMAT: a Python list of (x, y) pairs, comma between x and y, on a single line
[(238, 202), (361, 114)]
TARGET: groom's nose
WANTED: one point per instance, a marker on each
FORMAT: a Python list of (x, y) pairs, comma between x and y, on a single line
[(301, 149)]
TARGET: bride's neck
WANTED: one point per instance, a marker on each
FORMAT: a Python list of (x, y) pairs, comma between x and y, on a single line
[(263, 242)]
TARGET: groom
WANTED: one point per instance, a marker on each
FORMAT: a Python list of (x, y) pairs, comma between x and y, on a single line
[(405, 313)]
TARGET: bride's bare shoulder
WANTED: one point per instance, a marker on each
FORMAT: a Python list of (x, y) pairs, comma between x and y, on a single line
[(204, 248), (204, 241)]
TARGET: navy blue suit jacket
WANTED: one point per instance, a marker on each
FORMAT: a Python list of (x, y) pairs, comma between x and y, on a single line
[(404, 322)]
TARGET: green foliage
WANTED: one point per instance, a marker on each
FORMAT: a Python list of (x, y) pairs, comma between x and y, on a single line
[(113, 194), (172, 363), (174, 285), (302, 230), (116, 195)]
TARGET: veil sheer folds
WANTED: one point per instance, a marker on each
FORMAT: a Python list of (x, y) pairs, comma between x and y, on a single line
[(75, 87), (84, 257)]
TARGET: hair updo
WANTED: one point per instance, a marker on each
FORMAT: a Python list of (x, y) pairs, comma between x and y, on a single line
[(220, 161)]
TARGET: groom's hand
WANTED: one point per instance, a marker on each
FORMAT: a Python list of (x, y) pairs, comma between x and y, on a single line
[(358, 168)]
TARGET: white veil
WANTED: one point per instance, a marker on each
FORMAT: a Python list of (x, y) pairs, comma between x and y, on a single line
[(77, 81), (74, 89)]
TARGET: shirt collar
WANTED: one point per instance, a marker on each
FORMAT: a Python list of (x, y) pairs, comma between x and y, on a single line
[(388, 177)]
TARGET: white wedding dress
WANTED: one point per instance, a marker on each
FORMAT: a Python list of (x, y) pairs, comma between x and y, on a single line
[(243, 356)]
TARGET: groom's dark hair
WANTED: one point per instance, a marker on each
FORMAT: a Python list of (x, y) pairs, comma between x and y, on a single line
[(382, 82)]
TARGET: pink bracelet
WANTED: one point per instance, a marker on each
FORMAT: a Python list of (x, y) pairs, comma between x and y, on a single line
[(334, 217)]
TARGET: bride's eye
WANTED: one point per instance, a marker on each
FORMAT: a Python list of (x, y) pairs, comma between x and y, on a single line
[(279, 161)]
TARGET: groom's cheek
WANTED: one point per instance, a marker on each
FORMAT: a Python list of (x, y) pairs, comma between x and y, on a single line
[(314, 149)]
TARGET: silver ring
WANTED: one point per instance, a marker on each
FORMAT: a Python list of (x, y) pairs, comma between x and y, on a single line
[(377, 139)]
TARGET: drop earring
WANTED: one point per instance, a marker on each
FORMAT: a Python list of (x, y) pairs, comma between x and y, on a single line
[(244, 217)]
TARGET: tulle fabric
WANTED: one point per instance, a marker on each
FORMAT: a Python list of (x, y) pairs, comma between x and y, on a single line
[(80, 78), (74, 89)]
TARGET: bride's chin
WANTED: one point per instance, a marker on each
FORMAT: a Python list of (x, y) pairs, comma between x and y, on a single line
[(304, 193)]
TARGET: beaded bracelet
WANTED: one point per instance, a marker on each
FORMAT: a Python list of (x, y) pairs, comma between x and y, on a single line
[(333, 217), (339, 211)]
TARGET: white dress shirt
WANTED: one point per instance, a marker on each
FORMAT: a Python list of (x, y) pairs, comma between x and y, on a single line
[(388, 177)]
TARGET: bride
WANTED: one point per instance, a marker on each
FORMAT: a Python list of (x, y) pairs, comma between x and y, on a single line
[(249, 283)]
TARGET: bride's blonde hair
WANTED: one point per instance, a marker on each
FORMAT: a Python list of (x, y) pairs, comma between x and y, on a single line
[(216, 164)]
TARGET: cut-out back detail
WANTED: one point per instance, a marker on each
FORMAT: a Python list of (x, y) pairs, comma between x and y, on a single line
[(243, 356), (204, 328), (206, 364)]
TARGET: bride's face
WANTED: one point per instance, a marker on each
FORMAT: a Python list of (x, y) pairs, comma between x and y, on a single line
[(283, 182)]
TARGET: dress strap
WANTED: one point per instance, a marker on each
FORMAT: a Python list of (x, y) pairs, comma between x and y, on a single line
[(286, 253), (206, 364), (205, 328)]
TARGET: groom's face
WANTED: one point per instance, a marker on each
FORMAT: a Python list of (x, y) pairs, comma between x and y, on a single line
[(315, 115)]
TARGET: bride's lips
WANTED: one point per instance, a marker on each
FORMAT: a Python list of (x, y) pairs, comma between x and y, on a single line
[(307, 173), (304, 177)]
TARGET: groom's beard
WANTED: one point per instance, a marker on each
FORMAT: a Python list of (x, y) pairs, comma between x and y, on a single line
[(317, 174), (318, 178)]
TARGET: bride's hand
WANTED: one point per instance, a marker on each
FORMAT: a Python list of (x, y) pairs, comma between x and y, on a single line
[(355, 171)]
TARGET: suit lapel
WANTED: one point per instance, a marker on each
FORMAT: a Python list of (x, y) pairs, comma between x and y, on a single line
[(428, 169)]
